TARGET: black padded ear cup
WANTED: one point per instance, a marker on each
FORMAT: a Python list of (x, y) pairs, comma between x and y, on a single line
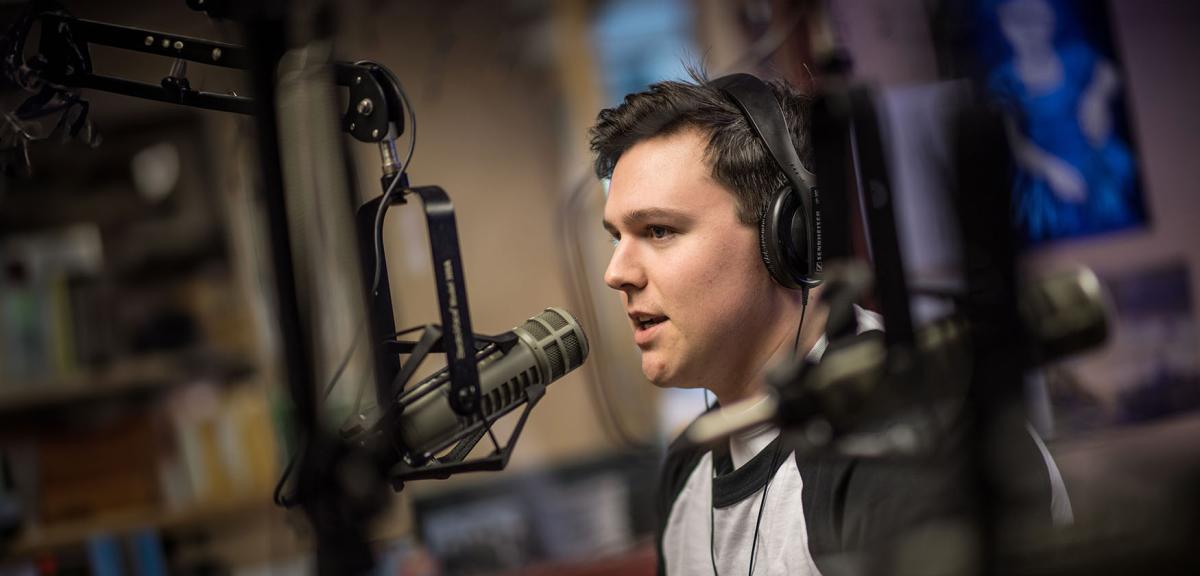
[(781, 238), (797, 246), (764, 240)]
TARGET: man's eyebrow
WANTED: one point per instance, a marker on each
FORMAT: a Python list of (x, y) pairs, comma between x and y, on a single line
[(633, 217)]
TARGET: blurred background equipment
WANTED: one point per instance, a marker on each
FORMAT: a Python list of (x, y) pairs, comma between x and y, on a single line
[(857, 389)]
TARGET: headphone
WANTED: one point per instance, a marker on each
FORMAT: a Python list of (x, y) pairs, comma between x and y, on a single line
[(790, 228)]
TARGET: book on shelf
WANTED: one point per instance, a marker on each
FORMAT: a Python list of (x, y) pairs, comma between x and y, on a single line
[(207, 450), (38, 320)]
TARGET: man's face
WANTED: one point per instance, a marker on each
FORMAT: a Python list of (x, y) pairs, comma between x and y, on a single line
[(699, 298)]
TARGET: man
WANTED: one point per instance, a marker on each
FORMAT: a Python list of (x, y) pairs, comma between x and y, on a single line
[(689, 181)]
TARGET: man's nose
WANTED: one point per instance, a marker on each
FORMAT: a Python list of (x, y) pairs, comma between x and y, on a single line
[(625, 272)]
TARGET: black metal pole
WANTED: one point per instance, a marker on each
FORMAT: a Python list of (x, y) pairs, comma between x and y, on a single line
[(989, 265), (337, 517), (266, 42)]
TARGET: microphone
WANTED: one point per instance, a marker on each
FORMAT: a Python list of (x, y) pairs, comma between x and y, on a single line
[(854, 387), (547, 347)]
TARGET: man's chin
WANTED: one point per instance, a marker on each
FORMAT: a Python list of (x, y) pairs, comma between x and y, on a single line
[(659, 383), (657, 374)]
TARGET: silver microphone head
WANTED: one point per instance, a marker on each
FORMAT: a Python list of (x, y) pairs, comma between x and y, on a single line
[(557, 341)]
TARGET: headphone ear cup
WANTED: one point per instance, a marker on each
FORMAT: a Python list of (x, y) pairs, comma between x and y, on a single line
[(764, 235), (777, 237), (797, 248)]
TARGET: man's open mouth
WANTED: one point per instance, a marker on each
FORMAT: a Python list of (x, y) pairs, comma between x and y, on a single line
[(647, 322)]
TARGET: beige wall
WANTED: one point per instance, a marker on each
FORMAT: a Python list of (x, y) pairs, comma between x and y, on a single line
[(889, 40)]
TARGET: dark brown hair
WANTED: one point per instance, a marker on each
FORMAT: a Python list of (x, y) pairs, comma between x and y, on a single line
[(736, 157)]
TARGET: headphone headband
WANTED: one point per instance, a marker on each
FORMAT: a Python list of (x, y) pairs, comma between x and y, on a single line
[(762, 111)]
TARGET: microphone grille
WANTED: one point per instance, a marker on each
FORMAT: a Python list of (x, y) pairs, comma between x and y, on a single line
[(539, 332), (554, 319), (559, 336), (557, 368), (575, 351)]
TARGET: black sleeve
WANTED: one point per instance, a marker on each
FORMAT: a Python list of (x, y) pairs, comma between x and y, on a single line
[(888, 497), (681, 459), (884, 498), (826, 484)]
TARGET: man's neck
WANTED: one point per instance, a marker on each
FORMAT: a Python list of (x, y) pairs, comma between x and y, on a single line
[(785, 342)]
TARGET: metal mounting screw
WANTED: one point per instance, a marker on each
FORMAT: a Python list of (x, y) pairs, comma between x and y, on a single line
[(365, 107), (375, 133), (166, 43), (353, 126), (149, 40), (216, 54), (358, 79), (178, 45)]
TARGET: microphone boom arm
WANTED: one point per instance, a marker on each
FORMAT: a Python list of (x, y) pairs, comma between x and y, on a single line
[(65, 60)]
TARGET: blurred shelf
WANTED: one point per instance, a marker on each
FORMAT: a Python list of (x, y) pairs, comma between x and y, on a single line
[(65, 534), (129, 378)]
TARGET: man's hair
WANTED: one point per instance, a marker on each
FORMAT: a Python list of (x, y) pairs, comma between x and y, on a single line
[(735, 156)]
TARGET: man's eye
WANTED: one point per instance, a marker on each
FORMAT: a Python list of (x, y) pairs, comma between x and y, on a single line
[(658, 232), (615, 240)]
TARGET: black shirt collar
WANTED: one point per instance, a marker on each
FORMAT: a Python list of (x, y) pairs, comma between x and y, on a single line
[(732, 486)]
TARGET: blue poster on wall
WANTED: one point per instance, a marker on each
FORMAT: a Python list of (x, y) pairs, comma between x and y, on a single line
[(1051, 65)]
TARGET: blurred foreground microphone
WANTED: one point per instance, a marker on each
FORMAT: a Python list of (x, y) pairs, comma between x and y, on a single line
[(547, 347), (856, 388)]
